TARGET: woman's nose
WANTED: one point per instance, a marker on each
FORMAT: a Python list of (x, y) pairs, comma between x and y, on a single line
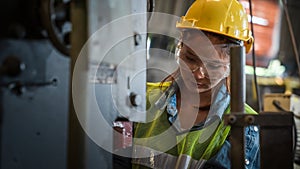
[(199, 72)]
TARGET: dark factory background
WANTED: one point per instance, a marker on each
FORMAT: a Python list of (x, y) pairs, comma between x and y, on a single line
[(36, 116)]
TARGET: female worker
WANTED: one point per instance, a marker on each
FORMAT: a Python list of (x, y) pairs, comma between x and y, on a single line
[(185, 127)]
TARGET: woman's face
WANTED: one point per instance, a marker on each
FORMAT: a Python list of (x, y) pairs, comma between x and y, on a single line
[(203, 60)]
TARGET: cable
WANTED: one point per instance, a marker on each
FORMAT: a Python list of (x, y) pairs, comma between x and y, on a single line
[(297, 144), (291, 34), (254, 62)]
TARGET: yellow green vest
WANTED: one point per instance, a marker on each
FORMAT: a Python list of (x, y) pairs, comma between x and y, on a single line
[(196, 145)]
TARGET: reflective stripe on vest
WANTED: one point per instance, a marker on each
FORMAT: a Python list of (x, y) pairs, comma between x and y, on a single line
[(162, 160)]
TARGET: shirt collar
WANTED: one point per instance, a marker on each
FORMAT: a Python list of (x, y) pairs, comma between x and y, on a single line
[(220, 102)]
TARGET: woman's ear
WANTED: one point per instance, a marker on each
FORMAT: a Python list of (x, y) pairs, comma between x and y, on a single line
[(177, 51)]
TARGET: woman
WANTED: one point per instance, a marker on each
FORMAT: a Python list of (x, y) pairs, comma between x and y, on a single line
[(185, 127)]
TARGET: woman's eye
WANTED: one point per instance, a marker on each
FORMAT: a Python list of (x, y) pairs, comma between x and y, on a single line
[(190, 58), (212, 66)]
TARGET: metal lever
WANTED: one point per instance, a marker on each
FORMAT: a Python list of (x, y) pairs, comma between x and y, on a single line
[(19, 87)]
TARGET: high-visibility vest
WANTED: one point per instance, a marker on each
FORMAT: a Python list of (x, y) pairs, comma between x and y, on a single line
[(160, 146)]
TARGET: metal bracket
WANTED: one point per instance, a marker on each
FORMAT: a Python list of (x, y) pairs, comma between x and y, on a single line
[(276, 137)]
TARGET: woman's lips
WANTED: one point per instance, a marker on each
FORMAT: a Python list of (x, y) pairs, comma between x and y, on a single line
[(202, 85)]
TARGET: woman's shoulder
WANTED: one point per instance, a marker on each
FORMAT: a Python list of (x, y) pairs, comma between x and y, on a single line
[(157, 85)]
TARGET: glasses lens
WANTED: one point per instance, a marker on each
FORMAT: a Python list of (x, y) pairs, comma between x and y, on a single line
[(213, 60)]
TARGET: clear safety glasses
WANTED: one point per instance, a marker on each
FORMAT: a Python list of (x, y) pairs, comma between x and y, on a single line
[(213, 61)]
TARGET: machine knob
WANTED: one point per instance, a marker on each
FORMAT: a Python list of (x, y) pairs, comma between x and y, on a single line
[(135, 99), (12, 66)]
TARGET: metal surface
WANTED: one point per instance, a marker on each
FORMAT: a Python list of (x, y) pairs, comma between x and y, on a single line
[(76, 136), (34, 123), (56, 21), (106, 73), (237, 76), (276, 129), (120, 27), (237, 86), (276, 137), (275, 141), (109, 81)]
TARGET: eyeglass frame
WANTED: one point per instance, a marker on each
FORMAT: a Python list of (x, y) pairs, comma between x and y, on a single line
[(223, 48)]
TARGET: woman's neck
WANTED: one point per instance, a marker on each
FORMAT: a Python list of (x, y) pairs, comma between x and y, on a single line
[(189, 108)]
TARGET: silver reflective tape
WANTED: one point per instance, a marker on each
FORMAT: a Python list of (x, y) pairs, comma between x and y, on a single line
[(160, 160)]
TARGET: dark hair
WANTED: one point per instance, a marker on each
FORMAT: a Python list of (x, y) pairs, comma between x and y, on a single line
[(223, 38), (171, 77)]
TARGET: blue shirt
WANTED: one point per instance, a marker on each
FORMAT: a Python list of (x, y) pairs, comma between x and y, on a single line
[(222, 159), (252, 161)]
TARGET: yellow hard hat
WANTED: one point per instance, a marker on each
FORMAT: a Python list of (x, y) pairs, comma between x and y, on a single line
[(225, 17)]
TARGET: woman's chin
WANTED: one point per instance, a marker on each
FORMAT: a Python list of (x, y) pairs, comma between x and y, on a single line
[(203, 90), (198, 88)]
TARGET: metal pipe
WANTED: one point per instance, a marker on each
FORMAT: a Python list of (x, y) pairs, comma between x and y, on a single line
[(76, 135), (237, 89), (237, 84)]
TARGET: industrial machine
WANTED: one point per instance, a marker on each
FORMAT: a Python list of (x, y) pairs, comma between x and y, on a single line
[(73, 79)]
